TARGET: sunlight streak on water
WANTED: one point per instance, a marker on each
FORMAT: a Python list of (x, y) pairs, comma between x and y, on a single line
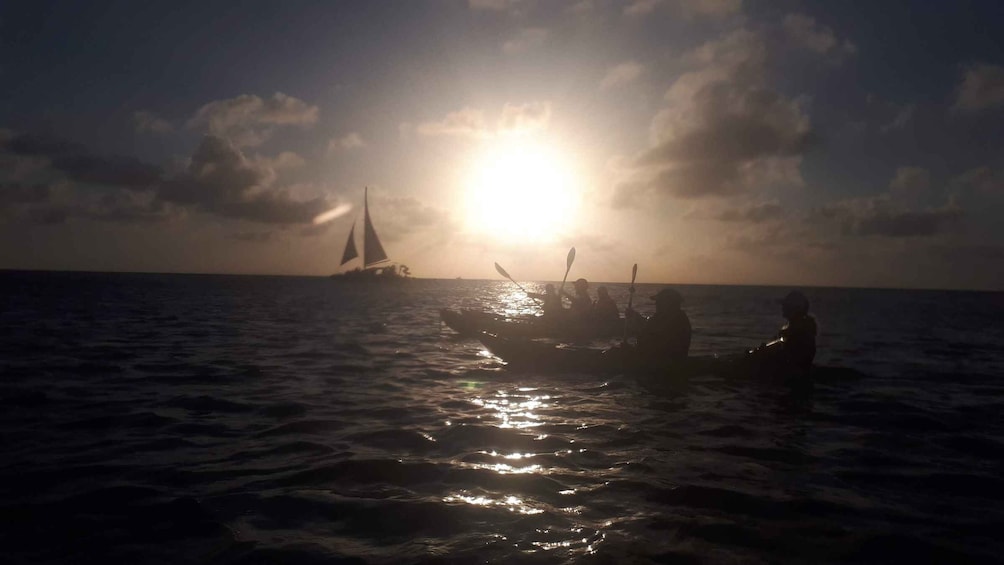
[(514, 413), (510, 502)]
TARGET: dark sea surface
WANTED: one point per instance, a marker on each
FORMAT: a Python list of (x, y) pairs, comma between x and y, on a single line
[(229, 419)]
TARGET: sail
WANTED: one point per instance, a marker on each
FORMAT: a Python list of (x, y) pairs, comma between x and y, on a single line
[(350, 246), (372, 250)]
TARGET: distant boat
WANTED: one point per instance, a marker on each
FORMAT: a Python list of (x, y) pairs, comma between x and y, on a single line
[(376, 265)]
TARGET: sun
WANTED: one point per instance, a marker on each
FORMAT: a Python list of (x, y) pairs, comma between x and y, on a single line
[(522, 191)]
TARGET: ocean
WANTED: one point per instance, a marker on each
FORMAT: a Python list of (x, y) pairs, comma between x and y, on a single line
[(238, 419)]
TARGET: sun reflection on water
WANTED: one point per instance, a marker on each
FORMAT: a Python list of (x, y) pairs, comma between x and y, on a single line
[(511, 503), (515, 411), (529, 411)]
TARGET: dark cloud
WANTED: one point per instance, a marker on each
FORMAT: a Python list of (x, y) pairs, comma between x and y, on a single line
[(908, 224), (876, 218), (78, 164), (253, 236), (17, 193), (220, 180), (757, 213), (982, 88), (723, 130), (248, 119)]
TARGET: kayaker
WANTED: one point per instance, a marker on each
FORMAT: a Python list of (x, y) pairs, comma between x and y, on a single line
[(605, 310), (552, 308), (799, 334), (666, 335), (582, 304), (793, 350)]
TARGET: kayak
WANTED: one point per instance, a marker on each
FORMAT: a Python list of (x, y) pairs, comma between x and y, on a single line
[(526, 355), (470, 323), (756, 365)]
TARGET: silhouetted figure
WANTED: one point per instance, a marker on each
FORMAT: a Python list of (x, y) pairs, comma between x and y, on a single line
[(582, 304), (666, 335), (792, 352), (552, 307), (605, 310), (799, 334)]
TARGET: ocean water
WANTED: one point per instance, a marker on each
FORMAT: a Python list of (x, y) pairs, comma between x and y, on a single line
[(218, 419)]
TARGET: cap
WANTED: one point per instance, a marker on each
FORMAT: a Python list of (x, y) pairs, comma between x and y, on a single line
[(796, 301), (668, 295)]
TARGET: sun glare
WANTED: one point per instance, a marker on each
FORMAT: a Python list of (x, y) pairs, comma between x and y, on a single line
[(521, 191)]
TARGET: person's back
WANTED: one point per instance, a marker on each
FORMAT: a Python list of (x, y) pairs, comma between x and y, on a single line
[(791, 355), (605, 310), (799, 338), (582, 305), (552, 308), (664, 337)]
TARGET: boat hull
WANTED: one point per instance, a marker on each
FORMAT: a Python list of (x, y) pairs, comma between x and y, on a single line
[(543, 357), (539, 357), (470, 323)]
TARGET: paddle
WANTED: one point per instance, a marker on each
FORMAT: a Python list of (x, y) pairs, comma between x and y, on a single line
[(568, 267), (506, 275), (634, 275)]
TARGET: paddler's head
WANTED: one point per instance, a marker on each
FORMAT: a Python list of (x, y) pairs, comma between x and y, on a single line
[(795, 305), (581, 286), (667, 298)]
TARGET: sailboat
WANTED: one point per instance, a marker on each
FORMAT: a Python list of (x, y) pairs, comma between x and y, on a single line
[(376, 265)]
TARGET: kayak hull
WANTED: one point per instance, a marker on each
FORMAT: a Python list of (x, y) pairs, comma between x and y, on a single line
[(470, 323), (536, 356)]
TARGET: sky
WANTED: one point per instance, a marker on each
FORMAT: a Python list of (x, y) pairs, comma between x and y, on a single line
[(778, 142)]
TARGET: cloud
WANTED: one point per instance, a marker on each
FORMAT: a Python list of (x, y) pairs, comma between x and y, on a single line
[(713, 8), (248, 120), (401, 215), (470, 122), (253, 236), (805, 32), (902, 118), (641, 7), (908, 223), (78, 164), (523, 118), (148, 122), (526, 40), (982, 88), (722, 130), (222, 181), (910, 180), (622, 74), (880, 216), (467, 122), (15, 193), (984, 181), (755, 213), (347, 142)]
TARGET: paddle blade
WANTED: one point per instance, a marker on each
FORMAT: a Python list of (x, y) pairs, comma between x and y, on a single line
[(634, 275), (502, 271), (571, 258)]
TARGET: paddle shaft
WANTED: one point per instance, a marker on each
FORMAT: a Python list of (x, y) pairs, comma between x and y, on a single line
[(506, 275)]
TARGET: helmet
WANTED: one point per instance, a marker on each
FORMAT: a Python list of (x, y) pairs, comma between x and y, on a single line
[(796, 302), (667, 295)]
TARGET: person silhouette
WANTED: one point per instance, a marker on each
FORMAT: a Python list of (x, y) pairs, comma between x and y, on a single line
[(791, 353), (605, 310), (665, 337)]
